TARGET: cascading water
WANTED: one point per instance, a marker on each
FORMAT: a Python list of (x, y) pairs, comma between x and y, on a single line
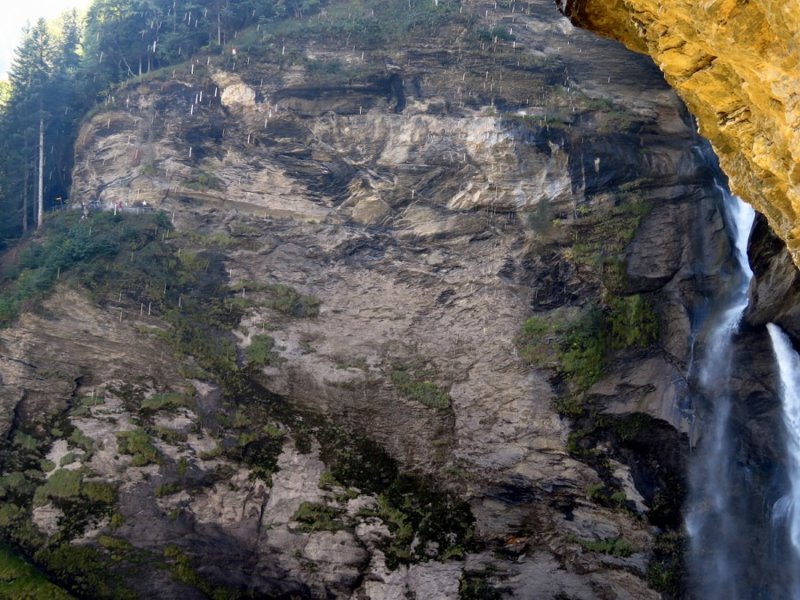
[(786, 512), (712, 519)]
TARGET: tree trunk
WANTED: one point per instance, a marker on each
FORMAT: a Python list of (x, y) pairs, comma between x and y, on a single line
[(25, 201), (25, 178), (40, 194)]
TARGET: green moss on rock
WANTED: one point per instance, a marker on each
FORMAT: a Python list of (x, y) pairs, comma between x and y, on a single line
[(137, 443)]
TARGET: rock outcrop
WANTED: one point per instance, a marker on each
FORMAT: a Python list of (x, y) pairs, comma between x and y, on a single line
[(735, 65)]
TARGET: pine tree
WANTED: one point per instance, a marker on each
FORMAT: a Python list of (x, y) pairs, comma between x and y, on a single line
[(32, 95), (26, 114)]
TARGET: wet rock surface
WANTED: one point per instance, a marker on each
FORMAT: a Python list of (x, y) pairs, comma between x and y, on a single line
[(773, 294)]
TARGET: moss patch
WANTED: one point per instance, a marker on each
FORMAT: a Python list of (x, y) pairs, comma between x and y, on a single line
[(581, 346)]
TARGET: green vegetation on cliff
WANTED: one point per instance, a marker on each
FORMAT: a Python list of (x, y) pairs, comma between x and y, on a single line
[(581, 346), (19, 579), (86, 250)]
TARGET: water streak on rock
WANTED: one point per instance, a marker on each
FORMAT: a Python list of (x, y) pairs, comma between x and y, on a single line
[(712, 514)]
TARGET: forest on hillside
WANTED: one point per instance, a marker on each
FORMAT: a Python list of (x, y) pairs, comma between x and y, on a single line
[(62, 68)]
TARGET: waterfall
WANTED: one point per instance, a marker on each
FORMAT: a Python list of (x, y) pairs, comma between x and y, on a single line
[(786, 512), (712, 516)]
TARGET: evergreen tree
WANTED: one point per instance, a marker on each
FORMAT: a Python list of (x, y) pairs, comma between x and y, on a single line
[(27, 111)]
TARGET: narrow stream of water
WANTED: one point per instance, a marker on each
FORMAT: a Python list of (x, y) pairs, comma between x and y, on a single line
[(712, 518)]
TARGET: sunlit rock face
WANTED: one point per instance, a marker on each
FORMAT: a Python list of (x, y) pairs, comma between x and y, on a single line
[(735, 63)]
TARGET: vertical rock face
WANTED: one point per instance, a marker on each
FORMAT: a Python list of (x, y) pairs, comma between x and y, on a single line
[(735, 63), (775, 289)]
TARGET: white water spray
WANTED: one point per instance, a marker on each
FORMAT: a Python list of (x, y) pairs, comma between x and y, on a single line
[(740, 222), (786, 511), (711, 520)]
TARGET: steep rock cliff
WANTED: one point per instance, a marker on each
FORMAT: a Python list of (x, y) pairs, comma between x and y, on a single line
[(368, 228), (735, 65)]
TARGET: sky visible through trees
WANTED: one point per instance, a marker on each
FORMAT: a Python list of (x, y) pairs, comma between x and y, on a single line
[(17, 14), (62, 66)]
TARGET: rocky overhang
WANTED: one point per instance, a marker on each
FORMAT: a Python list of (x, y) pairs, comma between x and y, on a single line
[(735, 63)]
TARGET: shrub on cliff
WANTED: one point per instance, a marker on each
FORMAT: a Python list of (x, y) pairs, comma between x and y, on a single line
[(580, 347)]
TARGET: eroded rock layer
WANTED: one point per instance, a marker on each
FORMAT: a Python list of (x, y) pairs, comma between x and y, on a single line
[(736, 66)]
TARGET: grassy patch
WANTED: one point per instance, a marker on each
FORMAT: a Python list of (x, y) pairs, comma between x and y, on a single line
[(19, 579), (85, 570), (278, 296), (203, 180), (371, 24), (425, 523), (181, 568), (170, 436), (666, 571), (15, 485), (259, 353), (538, 341), (604, 236), (137, 444), (618, 546), (128, 259), (82, 500), (477, 585), (417, 385), (81, 407), (583, 348), (497, 33), (168, 401), (61, 485), (78, 439), (259, 452), (70, 247), (318, 517), (580, 346), (99, 492), (289, 301), (168, 489), (259, 442)]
